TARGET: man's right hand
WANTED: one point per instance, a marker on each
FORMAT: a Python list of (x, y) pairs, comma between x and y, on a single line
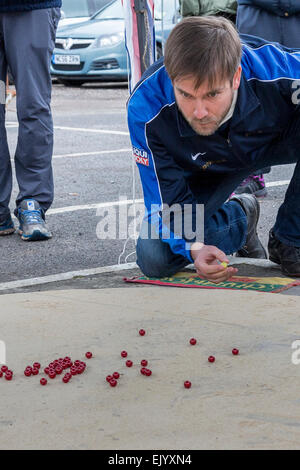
[(207, 259)]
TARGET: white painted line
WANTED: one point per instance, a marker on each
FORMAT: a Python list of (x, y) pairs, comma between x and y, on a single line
[(61, 210), (65, 276), (277, 183), (84, 207), (97, 131), (85, 154), (78, 129)]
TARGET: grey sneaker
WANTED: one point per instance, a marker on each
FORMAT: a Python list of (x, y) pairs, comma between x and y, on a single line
[(32, 221), (253, 247)]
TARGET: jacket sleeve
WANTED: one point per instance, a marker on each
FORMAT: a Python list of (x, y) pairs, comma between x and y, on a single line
[(169, 204), (273, 64)]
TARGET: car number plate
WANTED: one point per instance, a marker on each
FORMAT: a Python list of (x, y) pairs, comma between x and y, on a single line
[(66, 59)]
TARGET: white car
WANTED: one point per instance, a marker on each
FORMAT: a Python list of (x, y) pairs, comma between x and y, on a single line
[(77, 11)]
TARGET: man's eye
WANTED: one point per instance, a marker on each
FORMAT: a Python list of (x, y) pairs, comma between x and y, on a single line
[(185, 95), (213, 94)]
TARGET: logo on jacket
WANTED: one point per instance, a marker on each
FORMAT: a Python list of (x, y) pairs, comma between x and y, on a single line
[(194, 157), (141, 156)]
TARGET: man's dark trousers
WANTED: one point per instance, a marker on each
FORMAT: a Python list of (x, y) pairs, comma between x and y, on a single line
[(26, 45)]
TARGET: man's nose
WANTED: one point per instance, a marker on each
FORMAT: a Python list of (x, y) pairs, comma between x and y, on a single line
[(200, 110)]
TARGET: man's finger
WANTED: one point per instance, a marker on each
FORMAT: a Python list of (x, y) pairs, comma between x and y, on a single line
[(219, 277), (211, 268)]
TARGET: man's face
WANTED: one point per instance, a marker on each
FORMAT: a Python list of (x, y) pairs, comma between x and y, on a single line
[(204, 108)]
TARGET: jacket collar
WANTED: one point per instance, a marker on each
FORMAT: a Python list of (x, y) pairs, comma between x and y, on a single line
[(246, 103)]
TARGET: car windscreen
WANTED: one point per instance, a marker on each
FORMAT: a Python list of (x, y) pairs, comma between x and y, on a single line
[(112, 11), (163, 9), (75, 8)]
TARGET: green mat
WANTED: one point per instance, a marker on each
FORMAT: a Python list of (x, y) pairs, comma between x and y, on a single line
[(192, 280)]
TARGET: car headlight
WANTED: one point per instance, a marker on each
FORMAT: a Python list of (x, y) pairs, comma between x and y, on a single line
[(108, 40)]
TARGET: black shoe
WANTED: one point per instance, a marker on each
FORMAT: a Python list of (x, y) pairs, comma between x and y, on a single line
[(253, 247), (287, 256)]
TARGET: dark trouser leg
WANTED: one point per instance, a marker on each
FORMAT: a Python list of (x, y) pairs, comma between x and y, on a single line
[(5, 164), (29, 42), (287, 225)]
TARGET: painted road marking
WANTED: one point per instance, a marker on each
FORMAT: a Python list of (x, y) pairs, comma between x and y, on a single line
[(61, 210), (86, 154), (78, 129), (64, 276), (97, 131)]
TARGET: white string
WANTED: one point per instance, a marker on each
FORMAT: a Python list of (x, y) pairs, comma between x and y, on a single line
[(133, 197), (124, 247), (133, 253)]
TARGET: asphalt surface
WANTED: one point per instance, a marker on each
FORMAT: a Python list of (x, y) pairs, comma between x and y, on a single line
[(93, 119)]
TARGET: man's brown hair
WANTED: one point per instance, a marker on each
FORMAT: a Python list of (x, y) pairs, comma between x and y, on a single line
[(203, 47)]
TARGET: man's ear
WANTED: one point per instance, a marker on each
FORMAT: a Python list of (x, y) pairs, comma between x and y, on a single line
[(237, 78)]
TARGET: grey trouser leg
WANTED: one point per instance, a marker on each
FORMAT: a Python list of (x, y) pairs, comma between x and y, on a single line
[(5, 164), (29, 39)]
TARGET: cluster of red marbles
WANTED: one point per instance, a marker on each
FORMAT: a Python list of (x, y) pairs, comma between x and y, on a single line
[(112, 379), (8, 374), (193, 341), (57, 367)]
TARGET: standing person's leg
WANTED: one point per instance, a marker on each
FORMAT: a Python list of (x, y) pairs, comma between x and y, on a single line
[(6, 224), (29, 42), (284, 237)]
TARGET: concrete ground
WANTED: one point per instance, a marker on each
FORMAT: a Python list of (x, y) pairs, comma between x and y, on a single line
[(249, 401)]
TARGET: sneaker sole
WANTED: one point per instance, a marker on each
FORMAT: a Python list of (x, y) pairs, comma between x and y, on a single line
[(35, 236), (261, 193), (274, 260), (8, 231)]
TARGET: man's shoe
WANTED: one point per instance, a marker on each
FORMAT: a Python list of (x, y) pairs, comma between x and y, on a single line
[(287, 256), (254, 184), (253, 247), (7, 226), (32, 221)]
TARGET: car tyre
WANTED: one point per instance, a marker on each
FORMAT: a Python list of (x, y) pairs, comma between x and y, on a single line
[(71, 83)]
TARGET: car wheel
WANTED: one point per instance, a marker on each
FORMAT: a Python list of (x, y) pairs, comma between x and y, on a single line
[(74, 83)]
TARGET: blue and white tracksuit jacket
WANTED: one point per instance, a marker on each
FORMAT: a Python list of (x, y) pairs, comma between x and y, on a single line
[(164, 143)]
